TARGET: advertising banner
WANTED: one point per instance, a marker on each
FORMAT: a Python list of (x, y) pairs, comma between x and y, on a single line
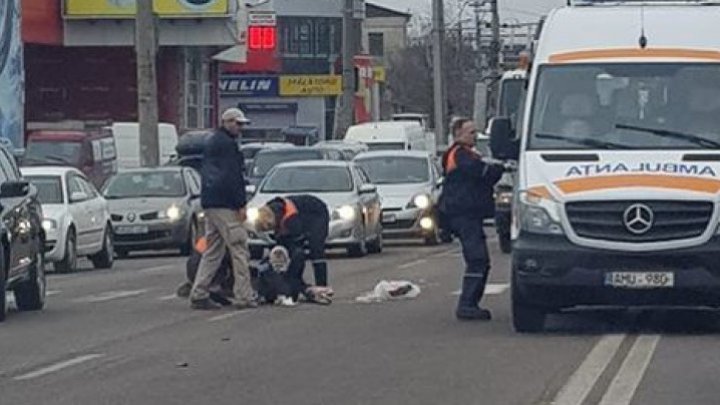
[(311, 85), (96, 9)]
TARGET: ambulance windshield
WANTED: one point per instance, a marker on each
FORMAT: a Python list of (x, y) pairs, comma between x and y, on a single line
[(627, 106)]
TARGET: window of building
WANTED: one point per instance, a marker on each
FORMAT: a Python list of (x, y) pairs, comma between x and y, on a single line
[(376, 42), (199, 106), (309, 37)]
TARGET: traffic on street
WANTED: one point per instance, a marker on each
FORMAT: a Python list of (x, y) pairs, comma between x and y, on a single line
[(359, 202)]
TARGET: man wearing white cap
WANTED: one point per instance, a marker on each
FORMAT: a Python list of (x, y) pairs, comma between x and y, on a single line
[(223, 200)]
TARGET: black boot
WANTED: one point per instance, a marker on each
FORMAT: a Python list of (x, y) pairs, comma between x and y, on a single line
[(473, 288), (321, 273)]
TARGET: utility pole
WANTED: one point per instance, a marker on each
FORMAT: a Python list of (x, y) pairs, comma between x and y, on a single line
[(478, 34), (494, 55), (145, 52), (439, 71), (347, 104)]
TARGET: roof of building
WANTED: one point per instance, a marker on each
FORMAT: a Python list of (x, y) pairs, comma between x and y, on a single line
[(374, 11)]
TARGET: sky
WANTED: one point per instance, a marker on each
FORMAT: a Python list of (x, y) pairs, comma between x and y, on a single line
[(523, 10)]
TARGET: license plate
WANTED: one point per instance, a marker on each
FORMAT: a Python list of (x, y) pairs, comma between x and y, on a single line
[(131, 230), (640, 280), (389, 218)]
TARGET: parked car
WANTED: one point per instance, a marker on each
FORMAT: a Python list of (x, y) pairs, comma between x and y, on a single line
[(76, 218), (352, 200), (266, 159), (409, 186), (154, 209), (92, 152), (22, 240), (349, 149)]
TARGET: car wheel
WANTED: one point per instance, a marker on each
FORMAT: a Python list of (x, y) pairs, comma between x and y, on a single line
[(192, 237), (30, 295), (377, 245), (3, 284), (359, 249), (526, 318), (433, 239), (69, 262), (105, 258)]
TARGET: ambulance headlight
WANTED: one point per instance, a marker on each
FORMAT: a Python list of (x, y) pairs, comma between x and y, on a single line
[(539, 213)]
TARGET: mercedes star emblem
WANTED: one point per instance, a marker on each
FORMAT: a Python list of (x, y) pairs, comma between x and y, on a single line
[(638, 218), (131, 217)]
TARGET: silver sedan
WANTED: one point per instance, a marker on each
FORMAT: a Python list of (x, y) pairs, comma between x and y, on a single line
[(352, 200)]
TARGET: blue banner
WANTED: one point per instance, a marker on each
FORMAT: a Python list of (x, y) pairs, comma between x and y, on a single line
[(249, 86)]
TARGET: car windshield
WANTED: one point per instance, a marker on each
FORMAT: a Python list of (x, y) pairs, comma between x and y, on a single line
[(627, 106), (309, 179), (266, 161), (53, 152), (49, 188), (395, 170), (145, 184), (386, 146)]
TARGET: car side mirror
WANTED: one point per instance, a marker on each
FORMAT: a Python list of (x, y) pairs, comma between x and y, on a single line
[(502, 144), (367, 189), (14, 189), (440, 182), (78, 196), (250, 189)]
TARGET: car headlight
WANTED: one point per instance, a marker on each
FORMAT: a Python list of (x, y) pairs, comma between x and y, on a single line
[(504, 198), (539, 213), (253, 213), (421, 201), (49, 224), (173, 213), (346, 213)]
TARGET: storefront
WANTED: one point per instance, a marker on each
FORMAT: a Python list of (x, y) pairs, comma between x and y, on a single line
[(276, 102)]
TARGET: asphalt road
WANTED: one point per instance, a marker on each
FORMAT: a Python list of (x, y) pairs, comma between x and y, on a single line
[(121, 337)]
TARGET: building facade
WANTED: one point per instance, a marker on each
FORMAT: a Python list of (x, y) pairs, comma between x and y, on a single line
[(84, 68)]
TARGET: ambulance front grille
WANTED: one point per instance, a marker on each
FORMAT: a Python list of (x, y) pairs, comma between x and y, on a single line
[(672, 220)]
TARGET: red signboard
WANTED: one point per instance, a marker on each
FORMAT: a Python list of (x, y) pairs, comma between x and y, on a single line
[(41, 22)]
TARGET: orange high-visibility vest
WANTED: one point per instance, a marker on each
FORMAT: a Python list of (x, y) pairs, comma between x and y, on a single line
[(290, 211)]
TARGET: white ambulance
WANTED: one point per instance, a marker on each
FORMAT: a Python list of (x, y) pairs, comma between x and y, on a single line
[(618, 196)]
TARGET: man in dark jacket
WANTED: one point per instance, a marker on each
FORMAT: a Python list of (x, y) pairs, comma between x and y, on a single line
[(223, 200), (466, 200), (296, 221)]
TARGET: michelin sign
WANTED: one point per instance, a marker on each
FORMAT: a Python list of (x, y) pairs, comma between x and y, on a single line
[(126, 8)]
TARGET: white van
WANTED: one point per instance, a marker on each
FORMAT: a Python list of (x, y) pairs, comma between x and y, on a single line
[(127, 142), (618, 193), (389, 135)]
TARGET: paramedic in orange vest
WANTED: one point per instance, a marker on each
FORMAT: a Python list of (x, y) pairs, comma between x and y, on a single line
[(466, 200), (297, 220)]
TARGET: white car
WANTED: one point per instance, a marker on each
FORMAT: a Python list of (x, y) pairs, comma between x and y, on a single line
[(77, 218), (409, 186), (353, 202)]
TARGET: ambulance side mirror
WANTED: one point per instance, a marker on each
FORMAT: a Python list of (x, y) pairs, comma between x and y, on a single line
[(502, 144)]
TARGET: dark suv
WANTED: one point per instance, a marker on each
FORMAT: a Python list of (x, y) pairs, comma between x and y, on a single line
[(22, 240)]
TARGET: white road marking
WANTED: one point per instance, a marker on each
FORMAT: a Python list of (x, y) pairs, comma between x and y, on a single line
[(50, 293), (228, 315), (58, 366), (412, 264), (623, 386), (586, 376), (446, 253), (167, 297), (490, 289), (159, 269), (109, 296)]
